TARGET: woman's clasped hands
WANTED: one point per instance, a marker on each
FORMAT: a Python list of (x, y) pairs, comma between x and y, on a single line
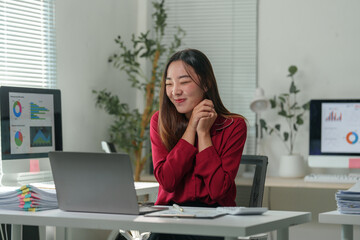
[(203, 117)]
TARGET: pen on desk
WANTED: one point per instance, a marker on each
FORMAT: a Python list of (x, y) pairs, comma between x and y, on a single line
[(177, 207)]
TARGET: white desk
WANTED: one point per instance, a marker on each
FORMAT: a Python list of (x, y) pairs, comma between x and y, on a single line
[(346, 220), (142, 188), (229, 226), (147, 188)]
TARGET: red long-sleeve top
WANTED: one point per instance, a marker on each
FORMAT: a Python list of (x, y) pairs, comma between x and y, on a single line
[(186, 175)]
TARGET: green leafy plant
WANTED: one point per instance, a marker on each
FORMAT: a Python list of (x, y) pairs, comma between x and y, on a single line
[(288, 108), (130, 128)]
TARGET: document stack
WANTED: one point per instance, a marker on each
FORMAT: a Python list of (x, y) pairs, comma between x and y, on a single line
[(28, 198), (348, 201)]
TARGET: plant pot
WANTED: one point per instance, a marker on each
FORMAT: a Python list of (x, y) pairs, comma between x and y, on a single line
[(292, 166)]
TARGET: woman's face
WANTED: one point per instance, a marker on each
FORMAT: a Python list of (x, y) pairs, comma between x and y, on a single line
[(182, 87)]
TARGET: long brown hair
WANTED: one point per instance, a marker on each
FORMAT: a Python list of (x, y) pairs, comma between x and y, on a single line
[(172, 124)]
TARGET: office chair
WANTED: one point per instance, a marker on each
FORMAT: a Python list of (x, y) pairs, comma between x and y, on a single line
[(257, 189), (108, 147), (256, 195)]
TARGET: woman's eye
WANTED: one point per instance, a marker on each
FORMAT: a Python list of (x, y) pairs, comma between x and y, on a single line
[(185, 82), (168, 84)]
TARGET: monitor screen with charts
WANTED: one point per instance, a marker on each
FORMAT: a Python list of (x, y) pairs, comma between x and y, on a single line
[(334, 133), (30, 128), (30, 122)]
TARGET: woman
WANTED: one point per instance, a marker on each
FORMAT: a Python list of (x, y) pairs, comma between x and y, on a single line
[(196, 142)]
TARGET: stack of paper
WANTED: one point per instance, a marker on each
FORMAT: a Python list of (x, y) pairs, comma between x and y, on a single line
[(348, 201), (28, 198)]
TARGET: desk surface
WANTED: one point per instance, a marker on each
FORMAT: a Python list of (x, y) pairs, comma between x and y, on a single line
[(143, 188), (300, 183), (230, 226), (335, 217)]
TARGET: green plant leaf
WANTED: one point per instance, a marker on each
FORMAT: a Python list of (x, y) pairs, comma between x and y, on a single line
[(286, 136), (282, 106), (271, 131), (292, 70), (306, 106), (273, 102), (277, 126), (295, 127), (292, 87), (282, 99), (263, 124), (282, 113), (299, 120)]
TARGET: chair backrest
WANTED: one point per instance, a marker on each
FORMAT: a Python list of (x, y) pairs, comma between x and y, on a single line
[(108, 147), (257, 189)]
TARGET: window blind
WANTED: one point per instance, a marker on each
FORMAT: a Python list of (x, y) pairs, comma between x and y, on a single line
[(27, 43), (226, 31)]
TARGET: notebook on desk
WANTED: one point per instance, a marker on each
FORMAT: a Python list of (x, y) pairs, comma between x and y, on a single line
[(206, 212), (95, 182), (188, 212)]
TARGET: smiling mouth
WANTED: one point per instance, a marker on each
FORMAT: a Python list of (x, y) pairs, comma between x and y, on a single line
[(179, 100)]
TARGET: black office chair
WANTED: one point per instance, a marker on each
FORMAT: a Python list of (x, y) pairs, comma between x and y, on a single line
[(257, 189), (255, 192)]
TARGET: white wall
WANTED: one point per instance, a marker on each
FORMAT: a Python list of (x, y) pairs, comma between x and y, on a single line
[(85, 38), (322, 38)]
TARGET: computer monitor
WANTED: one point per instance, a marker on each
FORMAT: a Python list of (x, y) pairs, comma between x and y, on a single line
[(30, 127), (334, 133)]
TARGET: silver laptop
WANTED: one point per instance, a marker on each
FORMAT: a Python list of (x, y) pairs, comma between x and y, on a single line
[(95, 182)]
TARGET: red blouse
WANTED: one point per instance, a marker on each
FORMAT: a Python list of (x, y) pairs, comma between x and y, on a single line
[(186, 175)]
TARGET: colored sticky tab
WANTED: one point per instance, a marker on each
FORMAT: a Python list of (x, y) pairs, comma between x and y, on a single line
[(26, 190), (27, 205), (34, 196), (25, 195), (354, 162)]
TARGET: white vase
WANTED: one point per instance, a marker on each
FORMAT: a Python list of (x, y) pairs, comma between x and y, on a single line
[(292, 166)]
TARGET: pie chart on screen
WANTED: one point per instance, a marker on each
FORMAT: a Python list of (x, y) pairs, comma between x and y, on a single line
[(17, 109), (18, 138), (352, 137)]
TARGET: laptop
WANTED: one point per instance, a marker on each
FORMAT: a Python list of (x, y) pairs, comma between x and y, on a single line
[(95, 182)]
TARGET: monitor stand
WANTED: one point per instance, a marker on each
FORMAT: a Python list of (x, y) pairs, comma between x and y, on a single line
[(24, 171)]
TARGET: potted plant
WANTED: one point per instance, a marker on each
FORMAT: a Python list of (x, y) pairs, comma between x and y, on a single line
[(129, 131), (288, 108)]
